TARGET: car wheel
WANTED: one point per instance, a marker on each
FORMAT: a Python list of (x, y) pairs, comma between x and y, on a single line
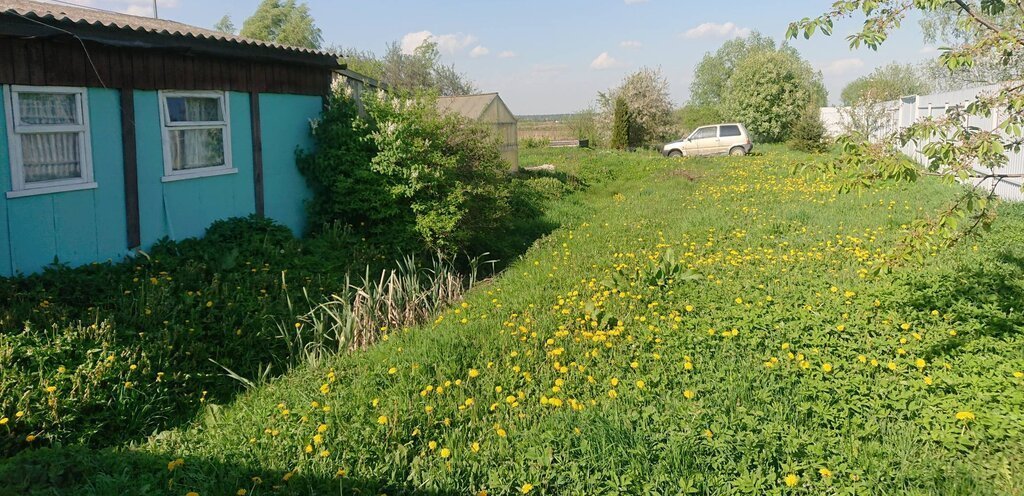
[(675, 154), (737, 151)]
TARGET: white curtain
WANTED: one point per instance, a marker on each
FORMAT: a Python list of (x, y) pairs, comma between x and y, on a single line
[(50, 156), (197, 148), (47, 108)]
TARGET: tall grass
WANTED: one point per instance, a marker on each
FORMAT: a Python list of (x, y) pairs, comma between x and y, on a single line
[(368, 308)]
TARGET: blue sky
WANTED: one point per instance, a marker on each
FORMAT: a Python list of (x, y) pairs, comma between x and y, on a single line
[(554, 56)]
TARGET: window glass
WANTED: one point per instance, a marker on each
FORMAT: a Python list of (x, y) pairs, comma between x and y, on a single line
[(196, 133), (196, 148), (728, 131), (705, 132), (194, 109), (50, 156), (47, 108), (49, 136)]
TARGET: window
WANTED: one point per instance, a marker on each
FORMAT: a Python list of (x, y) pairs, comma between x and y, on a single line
[(48, 137), (705, 132), (727, 131), (196, 134)]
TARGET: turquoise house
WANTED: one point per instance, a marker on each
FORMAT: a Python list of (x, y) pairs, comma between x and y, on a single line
[(117, 131)]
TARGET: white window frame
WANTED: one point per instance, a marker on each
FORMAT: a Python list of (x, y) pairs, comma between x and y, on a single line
[(15, 129), (166, 126)]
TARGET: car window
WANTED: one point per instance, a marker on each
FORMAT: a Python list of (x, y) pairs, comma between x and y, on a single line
[(728, 131), (704, 132)]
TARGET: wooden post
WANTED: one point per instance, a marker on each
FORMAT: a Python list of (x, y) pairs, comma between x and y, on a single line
[(131, 167), (257, 150)]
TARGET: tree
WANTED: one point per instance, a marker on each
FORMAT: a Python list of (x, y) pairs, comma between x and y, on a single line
[(808, 133), (988, 31), (423, 70), (283, 22), (768, 92), (691, 116), (224, 25), (943, 26), (621, 125), (650, 108), (886, 83), (713, 72)]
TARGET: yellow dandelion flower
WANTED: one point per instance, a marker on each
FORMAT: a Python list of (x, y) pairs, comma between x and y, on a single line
[(688, 394), (445, 453), (826, 473), (791, 480), (965, 416), (526, 488), (382, 420)]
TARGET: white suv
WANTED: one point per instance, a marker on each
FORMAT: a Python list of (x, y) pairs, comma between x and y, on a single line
[(720, 139)]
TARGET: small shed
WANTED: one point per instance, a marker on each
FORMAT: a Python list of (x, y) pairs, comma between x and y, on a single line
[(488, 109)]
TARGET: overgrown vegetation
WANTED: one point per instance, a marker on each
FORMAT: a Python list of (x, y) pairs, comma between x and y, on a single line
[(719, 310), (408, 178)]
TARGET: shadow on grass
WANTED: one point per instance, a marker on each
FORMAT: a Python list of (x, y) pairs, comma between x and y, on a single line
[(79, 471), (990, 293)]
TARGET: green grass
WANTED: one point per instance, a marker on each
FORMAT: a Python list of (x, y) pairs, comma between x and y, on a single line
[(643, 347)]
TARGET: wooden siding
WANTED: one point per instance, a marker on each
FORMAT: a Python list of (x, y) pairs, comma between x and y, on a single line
[(66, 62)]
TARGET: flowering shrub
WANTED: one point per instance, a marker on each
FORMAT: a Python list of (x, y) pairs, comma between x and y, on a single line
[(406, 177)]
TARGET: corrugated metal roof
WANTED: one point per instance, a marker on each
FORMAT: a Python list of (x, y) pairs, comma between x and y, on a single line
[(469, 106), (43, 12)]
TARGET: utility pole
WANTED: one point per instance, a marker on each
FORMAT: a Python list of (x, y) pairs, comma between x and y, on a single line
[(156, 15)]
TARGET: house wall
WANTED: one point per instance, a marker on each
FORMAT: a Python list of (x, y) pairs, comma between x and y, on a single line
[(285, 120), (80, 227), (76, 227), (185, 208)]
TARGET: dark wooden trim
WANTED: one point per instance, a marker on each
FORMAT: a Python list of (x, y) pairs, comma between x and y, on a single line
[(257, 150), (64, 61), (131, 168)]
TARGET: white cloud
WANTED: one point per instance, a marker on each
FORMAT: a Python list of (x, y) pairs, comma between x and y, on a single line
[(929, 50), (605, 61), (716, 30), (635, 2), (840, 67), (412, 41), (631, 44), (479, 51), (507, 54), (446, 43)]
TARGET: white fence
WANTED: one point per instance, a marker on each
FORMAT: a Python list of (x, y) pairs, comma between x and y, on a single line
[(904, 112)]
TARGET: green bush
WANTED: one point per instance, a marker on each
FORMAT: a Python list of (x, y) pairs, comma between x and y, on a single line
[(808, 134), (535, 142), (405, 177), (620, 125)]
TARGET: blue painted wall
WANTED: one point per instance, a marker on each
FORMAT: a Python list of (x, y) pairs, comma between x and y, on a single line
[(185, 208), (284, 120), (74, 227), (81, 227)]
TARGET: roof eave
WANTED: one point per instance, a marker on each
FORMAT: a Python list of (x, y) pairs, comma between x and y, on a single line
[(15, 25)]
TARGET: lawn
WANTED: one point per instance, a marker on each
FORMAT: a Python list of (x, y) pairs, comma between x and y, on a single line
[(697, 326)]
